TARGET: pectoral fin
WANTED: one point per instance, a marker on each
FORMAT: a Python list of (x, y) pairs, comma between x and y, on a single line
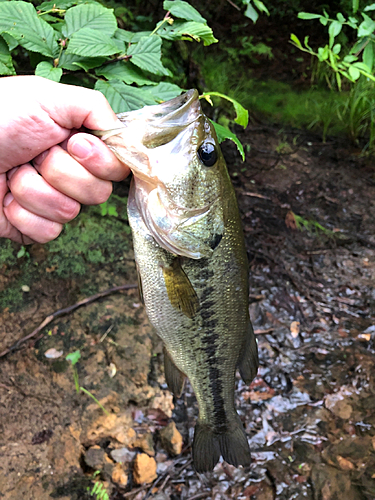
[(173, 376), (180, 291), (249, 361)]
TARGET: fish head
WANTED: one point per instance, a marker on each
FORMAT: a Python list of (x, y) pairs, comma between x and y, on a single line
[(179, 173)]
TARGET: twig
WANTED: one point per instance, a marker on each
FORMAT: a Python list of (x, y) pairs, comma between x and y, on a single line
[(62, 312), (263, 332), (233, 5), (205, 494), (134, 492)]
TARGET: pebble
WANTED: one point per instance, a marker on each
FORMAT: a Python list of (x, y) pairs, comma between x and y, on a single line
[(171, 439), (144, 469)]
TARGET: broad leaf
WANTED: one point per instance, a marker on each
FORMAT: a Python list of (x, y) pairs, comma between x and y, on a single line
[(224, 133), (124, 71), (6, 62), (46, 70), (73, 62), (129, 36), (146, 54), (21, 21), (307, 15), (368, 55), (164, 91), (92, 43), (183, 10), (242, 115), (93, 16), (334, 29), (261, 7), (369, 7), (188, 31), (122, 97), (367, 27), (251, 13)]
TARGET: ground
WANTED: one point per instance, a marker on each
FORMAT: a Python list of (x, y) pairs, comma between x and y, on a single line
[(308, 211)]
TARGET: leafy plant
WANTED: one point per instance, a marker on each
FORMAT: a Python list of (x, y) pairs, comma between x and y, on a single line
[(98, 490), (80, 42), (73, 358), (352, 63), (253, 7)]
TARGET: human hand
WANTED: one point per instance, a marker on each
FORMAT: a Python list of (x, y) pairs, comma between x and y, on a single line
[(39, 120)]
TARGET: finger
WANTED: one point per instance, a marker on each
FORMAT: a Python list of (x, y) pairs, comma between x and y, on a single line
[(33, 226), (95, 156), (34, 194), (69, 177)]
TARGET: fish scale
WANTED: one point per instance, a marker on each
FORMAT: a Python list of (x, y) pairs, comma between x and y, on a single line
[(192, 264)]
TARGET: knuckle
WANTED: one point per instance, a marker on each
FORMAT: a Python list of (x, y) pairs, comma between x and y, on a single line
[(103, 193), (69, 209)]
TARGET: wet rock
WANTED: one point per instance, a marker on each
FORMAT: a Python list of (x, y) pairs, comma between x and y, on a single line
[(119, 475), (171, 439), (113, 426), (123, 455), (94, 457), (146, 443), (144, 469), (332, 484)]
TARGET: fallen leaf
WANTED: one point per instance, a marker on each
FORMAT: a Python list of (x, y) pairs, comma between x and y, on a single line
[(290, 221), (294, 328), (344, 463)]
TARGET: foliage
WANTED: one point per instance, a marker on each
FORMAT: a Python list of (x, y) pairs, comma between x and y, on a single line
[(359, 60), (98, 489), (79, 42), (73, 358), (253, 8)]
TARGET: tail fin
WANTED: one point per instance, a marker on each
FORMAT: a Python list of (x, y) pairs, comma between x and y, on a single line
[(208, 445), (249, 361)]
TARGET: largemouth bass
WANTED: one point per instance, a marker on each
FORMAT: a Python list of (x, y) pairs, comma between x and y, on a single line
[(191, 259)]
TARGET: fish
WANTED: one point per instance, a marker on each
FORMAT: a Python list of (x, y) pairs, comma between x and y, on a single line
[(192, 264)]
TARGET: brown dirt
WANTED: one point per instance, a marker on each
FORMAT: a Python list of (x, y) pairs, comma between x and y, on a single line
[(310, 414)]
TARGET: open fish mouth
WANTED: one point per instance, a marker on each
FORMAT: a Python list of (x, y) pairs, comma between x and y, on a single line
[(158, 124)]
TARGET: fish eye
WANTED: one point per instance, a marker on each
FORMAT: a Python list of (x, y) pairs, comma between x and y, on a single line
[(207, 154)]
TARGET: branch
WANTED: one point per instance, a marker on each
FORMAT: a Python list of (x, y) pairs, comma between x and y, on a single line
[(62, 312)]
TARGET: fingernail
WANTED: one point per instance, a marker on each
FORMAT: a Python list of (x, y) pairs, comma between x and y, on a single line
[(8, 199), (81, 148), (11, 172)]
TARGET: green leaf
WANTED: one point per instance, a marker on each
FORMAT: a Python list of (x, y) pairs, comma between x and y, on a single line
[(164, 91), (323, 53), (188, 31), (6, 62), (242, 114), (354, 73), (91, 43), (324, 21), (183, 10), (12, 42), (261, 7), (295, 40), (46, 70), (336, 48), (350, 59), (307, 15), (122, 97), (129, 36), (367, 27), (369, 7), (340, 18), (73, 62), (224, 133), (334, 29), (251, 13), (355, 5), (124, 71), (93, 16), (20, 20), (368, 56), (146, 54), (73, 357)]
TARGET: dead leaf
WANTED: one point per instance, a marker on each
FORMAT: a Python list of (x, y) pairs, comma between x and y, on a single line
[(294, 328), (290, 221), (344, 463)]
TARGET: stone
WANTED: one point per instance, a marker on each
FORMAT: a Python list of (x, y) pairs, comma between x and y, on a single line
[(146, 443), (94, 457), (144, 469), (171, 439), (119, 476)]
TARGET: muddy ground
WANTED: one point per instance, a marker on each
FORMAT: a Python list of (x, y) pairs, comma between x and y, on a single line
[(310, 413)]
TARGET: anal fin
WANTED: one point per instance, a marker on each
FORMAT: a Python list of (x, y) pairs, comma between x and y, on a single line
[(173, 376), (180, 291), (249, 361)]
